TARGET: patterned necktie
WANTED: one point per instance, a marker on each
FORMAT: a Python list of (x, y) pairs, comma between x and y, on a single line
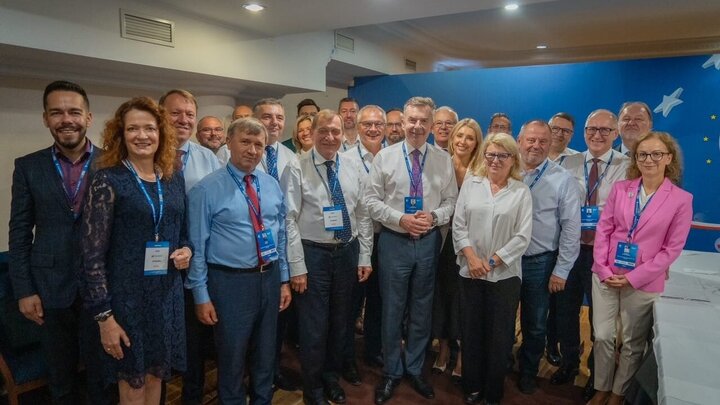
[(417, 189), (271, 159), (344, 235), (179, 154), (257, 225), (588, 235)]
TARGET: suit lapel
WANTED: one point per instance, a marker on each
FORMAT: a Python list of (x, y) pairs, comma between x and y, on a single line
[(658, 200)]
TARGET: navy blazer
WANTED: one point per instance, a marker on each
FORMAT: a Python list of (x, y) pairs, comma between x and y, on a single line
[(44, 240)]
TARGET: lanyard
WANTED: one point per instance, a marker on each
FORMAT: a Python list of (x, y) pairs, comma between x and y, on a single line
[(539, 174), (602, 176), (413, 184), (367, 169), (241, 186), (157, 214), (185, 159), (337, 176), (71, 197), (562, 159), (638, 212)]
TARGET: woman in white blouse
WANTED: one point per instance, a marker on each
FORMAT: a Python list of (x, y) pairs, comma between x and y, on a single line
[(491, 231)]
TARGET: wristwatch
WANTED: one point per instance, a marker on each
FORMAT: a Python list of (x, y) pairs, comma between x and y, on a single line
[(103, 316), (434, 217)]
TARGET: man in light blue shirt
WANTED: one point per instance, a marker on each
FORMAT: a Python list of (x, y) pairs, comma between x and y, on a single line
[(554, 245), (239, 273)]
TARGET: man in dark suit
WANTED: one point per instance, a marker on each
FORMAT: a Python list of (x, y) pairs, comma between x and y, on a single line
[(48, 190)]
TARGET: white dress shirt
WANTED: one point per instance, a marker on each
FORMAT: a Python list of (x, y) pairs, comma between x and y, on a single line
[(493, 225), (285, 158), (556, 198), (308, 192), (223, 155), (560, 159), (363, 160), (200, 162), (389, 184)]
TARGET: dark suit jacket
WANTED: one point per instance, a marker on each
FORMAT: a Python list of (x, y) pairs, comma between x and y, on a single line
[(44, 235)]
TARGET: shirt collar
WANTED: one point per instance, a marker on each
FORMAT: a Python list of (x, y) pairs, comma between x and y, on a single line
[(319, 160), (535, 170), (410, 148), (185, 147), (605, 157), (241, 174), (85, 155)]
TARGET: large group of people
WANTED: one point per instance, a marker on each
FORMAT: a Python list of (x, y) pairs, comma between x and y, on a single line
[(142, 256)]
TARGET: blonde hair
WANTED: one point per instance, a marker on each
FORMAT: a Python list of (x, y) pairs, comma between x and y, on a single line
[(504, 141), (673, 171), (295, 139), (472, 124)]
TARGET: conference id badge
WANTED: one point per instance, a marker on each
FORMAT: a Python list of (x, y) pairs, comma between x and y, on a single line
[(626, 255), (332, 217), (266, 245), (589, 217), (413, 204), (157, 255)]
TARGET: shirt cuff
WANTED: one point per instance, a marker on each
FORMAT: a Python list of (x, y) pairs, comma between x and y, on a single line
[(297, 269), (201, 295), (562, 273), (364, 260)]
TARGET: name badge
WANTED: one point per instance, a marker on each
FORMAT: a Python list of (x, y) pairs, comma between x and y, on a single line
[(157, 255), (268, 250), (589, 217), (332, 216), (626, 255), (413, 204)]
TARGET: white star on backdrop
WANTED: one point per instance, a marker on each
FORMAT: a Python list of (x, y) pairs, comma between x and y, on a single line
[(714, 60), (669, 102)]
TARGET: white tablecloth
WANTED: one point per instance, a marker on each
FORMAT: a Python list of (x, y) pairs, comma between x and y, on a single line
[(687, 331)]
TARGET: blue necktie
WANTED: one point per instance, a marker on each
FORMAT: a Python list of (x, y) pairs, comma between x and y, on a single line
[(344, 235), (272, 162)]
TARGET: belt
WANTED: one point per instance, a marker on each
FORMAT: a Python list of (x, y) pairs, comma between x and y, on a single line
[(549, 252), (327, 246), (257, 269), (407, 235)]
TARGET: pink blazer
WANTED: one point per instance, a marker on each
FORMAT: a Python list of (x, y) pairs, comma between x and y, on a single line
[(660, 235)]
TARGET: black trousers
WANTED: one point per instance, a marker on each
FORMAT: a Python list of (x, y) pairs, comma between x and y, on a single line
[(488, 322), (200, 345), (373, 307)]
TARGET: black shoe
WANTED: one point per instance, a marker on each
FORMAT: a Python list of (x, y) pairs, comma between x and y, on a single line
[(284, 383), (375, 361), (552, 354), (314, 398), (564, 375), (589, 390), (350, 374), (474, 398), (384, 391), (334, 392), (527, 384), (421, 386)]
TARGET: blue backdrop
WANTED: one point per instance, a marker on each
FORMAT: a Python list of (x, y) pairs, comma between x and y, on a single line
[(687, 87)]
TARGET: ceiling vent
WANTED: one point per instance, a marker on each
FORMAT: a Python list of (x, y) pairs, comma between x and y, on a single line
[(146, 28), (410, 65), (344, 42)]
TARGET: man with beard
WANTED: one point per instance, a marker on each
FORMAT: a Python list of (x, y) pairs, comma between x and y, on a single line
[(211, 133), (562, 126), (348, 109), (394, 131), (500, 123)]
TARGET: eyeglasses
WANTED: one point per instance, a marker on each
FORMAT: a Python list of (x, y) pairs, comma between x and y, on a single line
[(656, 156), (444, 123), (565, 131), (499, 127), (370, 124), (500, 156), (208, 130), (604, 131)]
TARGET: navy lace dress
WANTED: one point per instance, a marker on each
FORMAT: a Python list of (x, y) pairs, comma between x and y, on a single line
[(117, 224)]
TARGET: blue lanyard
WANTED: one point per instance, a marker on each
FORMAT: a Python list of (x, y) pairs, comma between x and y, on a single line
[(337, 175), (413, 184), (539, 174), (638, 212), (83, 172), (157, 214), (241, 186), (602, 176), (367, 169), (185, 159), (562, 159)]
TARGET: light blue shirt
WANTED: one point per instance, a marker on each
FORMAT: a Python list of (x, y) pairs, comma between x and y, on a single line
[(220, 227), (556, 205), (200, 162)]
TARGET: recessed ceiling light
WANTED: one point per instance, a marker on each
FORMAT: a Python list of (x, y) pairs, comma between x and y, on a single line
[(254, 7), (541, 46), (511, 7)]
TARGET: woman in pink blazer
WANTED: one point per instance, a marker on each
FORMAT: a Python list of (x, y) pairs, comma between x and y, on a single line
[(642, 230)]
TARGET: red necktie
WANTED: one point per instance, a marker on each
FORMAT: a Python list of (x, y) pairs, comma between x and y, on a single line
[(587, 235), (257, 224)]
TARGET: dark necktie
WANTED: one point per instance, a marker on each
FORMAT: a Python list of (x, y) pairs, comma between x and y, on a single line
[(344, 235), (271, 160), (179, 155), (417, 190), (257, 224), (588, 235)]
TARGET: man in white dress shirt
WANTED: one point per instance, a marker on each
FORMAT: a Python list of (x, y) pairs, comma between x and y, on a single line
[(562, 126), (554, 245), (412, 190), (444, 120), (329, 246), (635, 120), (596, 170)]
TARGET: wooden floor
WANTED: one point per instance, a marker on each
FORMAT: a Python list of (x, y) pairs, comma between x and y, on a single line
[(446, 392)]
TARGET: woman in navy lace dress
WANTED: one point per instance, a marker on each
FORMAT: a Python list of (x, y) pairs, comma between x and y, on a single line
[(134, 243)]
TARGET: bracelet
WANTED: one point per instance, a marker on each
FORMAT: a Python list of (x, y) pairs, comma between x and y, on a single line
[(103, 316)]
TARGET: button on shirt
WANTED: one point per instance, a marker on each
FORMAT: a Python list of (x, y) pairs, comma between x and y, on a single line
[(220, 227), (307, 195), (361, 164), (200, 162), (556, 201), (389, 184), (285, 158), (500, 224)]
